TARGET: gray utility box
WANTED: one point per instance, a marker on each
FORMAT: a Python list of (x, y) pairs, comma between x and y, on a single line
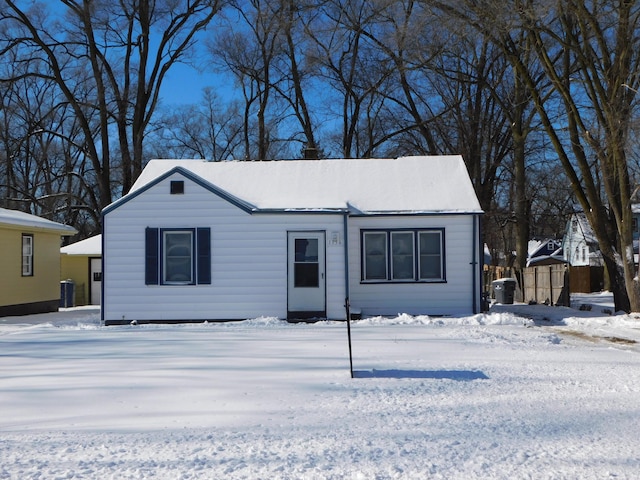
[(504, 290)]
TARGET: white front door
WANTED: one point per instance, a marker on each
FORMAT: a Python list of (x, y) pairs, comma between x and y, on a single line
[(95, 280), (306, 275)]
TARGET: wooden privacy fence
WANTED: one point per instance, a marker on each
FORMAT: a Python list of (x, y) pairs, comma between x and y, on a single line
[(546, 284), (549, 284), (586, 279)]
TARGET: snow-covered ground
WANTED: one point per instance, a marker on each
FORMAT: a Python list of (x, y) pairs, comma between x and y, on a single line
[(521, 392)]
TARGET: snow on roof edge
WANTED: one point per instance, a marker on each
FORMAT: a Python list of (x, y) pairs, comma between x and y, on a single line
[(88, 246), (16, 218)]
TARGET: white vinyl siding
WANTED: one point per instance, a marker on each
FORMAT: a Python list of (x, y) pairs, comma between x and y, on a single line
[(451, 294), (248, 258)]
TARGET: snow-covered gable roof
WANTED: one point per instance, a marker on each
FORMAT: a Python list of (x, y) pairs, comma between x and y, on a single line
[(583, 228), (88, 246), (17, 219), (544, 252), (420, 184)]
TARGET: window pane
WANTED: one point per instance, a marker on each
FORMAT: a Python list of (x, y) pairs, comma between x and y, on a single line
[(402, 255), (306, 249), (430, 255), (306, 275), (27, 255), (26, 266), (178, 257), (26, 245), (430, 268), (430, 243), (375, 256)]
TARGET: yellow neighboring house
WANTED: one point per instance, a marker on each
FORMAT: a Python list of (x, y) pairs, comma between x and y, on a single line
[(81, 262), (29, 263)]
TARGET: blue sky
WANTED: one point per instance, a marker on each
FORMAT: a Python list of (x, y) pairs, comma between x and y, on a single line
[(183, 85)]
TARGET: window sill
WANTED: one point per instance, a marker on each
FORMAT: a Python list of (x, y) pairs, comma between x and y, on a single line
[(400, 282)]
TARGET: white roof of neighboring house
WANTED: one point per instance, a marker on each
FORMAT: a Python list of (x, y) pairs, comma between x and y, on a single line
[(584, 227), (534, 248), (17, 219), (427, 184), (88, 246)]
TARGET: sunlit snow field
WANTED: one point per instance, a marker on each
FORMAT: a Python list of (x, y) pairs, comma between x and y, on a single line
[(521, 392)]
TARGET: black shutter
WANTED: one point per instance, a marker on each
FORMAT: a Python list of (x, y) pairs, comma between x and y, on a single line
[(152, 257), (204, 256)]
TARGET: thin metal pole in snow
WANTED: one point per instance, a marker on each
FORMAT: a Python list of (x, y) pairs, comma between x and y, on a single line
[(346, 304), (345, 220)]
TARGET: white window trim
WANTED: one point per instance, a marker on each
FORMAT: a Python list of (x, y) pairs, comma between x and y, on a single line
[(27, 255), (396, 233), (440, 233), (389, 256), (364, 256), (165, 233)]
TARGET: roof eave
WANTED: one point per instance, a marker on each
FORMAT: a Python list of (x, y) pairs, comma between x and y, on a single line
[(373, 213), (62, 230)]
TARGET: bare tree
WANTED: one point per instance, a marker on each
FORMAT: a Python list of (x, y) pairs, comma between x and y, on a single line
[(354, 70), (43, 172), (589, 54), (109, 61), (248, 45), (295, 89), (211, 130)]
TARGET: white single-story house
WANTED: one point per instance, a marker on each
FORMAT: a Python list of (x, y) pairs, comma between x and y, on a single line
[(195, 240)]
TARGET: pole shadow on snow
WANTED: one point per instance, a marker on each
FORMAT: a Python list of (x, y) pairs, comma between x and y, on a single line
[(459, 375)]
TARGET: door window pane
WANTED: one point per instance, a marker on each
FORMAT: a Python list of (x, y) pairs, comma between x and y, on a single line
[(306, 249), (306, 275), (178, 263), (375, 256), (402, 256), (306, 269)]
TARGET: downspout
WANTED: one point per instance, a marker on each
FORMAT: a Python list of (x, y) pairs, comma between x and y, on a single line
[(346, 286), (474, 262), (102, 300), (346, 259)]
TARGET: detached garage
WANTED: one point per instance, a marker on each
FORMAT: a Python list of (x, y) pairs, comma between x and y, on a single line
[(196, 240), (81, 262)]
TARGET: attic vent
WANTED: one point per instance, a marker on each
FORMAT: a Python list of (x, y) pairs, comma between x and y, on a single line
[(177, 187)]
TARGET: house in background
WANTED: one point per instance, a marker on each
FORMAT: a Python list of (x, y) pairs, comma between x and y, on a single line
[(81, 262), (30, 259), (196, 240), (544, 252), (580, 245), (582, 252)]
